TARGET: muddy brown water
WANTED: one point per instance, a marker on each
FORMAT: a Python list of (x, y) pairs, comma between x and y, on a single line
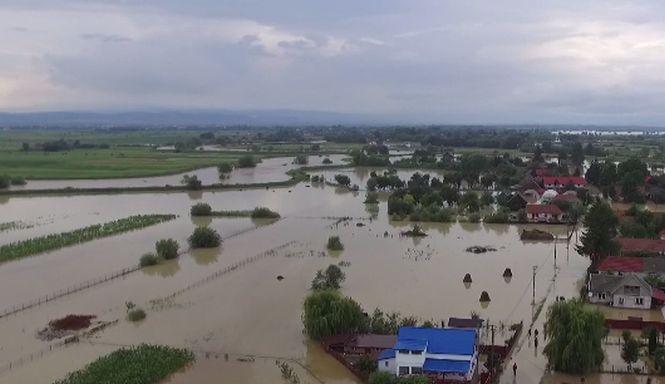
[(242, 321)]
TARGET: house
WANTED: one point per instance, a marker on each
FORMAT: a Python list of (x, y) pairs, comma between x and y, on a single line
[(558, 182), (639, 246), (642, 266), (544, 213), (531, 196), (370, 343), (622, 291), (569, 197), (442, 353)]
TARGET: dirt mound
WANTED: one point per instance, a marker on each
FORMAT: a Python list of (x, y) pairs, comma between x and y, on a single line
[(72, 322)]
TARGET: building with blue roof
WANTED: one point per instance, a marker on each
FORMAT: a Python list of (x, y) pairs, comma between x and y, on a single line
[(445, 353)]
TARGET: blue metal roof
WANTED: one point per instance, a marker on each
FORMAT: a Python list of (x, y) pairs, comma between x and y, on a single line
[(446, 366), (449, 341), (387, 354), (411, 344)]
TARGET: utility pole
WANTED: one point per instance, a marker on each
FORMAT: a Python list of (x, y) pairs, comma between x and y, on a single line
[(492, 355), (533, 279)]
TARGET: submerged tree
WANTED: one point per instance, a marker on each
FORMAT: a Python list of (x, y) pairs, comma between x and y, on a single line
[(331, 278), (574, 335), (601, 228), (630, 350)]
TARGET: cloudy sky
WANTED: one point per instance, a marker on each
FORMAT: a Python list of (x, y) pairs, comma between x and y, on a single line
[(466, 61)]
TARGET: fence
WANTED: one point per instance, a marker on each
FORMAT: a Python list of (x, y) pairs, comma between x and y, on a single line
[(67, 291), (37, 355), (635, 324)]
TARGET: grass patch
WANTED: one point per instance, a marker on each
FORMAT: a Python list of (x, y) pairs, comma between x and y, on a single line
[(144, 364), (52, 242)]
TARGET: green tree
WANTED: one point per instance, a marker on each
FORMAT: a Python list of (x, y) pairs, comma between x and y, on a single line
[(204, 237), (331, 278), (574, 335), (382, 378), (659, 359), (343, 180), (577, 154), (327, 313), (167, 249), (630, 350), (246, 161), (192, 182), (334, 244), (601, 228)]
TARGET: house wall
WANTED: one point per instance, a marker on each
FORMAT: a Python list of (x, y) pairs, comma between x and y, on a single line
[(408, 360), (598, 298), (628, 301), (387, 365)]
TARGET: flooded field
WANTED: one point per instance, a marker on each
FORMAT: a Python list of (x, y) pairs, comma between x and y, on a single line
[(268, 170), (239, 322)]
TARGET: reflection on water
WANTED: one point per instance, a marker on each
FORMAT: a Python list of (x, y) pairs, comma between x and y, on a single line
[(205, 256), (166, 268)]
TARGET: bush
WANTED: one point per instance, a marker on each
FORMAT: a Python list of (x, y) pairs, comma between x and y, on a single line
[(148, 259), (334, 244), (136, 314), (327, 161), (246, 161), (301, 160), (473, 218), (5, 181), (201, 209), (167, 249), (264, 213), (204, 237), (224, 168), (18, 180), (331, 278), (498, 217)]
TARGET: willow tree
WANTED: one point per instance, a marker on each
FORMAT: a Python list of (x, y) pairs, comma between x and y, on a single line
[(327, 313), (574, 335)]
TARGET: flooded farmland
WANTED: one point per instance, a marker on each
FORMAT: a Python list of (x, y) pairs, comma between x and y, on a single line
[(227, 304)]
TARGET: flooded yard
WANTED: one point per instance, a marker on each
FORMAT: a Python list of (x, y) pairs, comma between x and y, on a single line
[(239, 322)]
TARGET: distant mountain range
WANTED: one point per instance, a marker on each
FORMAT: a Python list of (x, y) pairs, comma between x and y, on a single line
[(186, 118)]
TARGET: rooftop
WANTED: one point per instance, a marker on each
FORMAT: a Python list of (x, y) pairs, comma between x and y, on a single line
[(564, 180), (449, 341), (633, 245), (543, 208)]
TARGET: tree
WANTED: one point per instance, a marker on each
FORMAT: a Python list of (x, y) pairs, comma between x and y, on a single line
[(5, 181), (246, 161), (601, 228), (651, 334), (577, 154), (630, 182), (574, 335), (470, 201), (343, 180), (204, 237), (192, 182), (301, 160), (327, 313), (630, 350), (331, 278), (200, 209), (334, 244), (167, 249), (659, 359), (382, 378)]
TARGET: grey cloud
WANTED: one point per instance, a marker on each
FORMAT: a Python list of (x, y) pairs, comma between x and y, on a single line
[(105, 38)]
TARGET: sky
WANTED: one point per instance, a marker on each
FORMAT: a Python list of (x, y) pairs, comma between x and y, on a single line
[(421, 61)]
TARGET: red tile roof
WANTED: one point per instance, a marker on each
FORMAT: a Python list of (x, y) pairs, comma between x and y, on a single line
[(632, 245), (564, 180), (566, 197), (622, 264), (543, 208)]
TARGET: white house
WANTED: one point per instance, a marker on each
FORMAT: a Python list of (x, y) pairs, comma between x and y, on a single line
[(444, 353), (623, 291), (544, 213)]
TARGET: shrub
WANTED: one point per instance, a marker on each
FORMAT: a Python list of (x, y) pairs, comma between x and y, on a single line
[(498, 217), (264, 213), (301, 160), (148, 259), (327, 161), (167, 249), (5, 181), (473, 218), (334, 244), (18, 180), (201, 209), (246, 161), (225, 168), (204, 237), (331, 278), (136, 314)]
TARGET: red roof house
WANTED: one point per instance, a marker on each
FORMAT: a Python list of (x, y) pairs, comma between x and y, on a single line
[(633, 246), (548, 213), (622, 264), (562, 181)]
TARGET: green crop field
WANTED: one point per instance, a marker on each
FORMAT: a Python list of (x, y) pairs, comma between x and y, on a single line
[(105, 163)]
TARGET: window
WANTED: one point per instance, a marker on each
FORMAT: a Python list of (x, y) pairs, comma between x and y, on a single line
[(416, 370), (416, 352), (404, 351), (621, 300), (632, 290), (601, 296), (403, 371), (639, 301), (385, 364)]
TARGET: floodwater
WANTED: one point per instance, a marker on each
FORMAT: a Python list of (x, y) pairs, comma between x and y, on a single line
[(239, 323), (268, 170)]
